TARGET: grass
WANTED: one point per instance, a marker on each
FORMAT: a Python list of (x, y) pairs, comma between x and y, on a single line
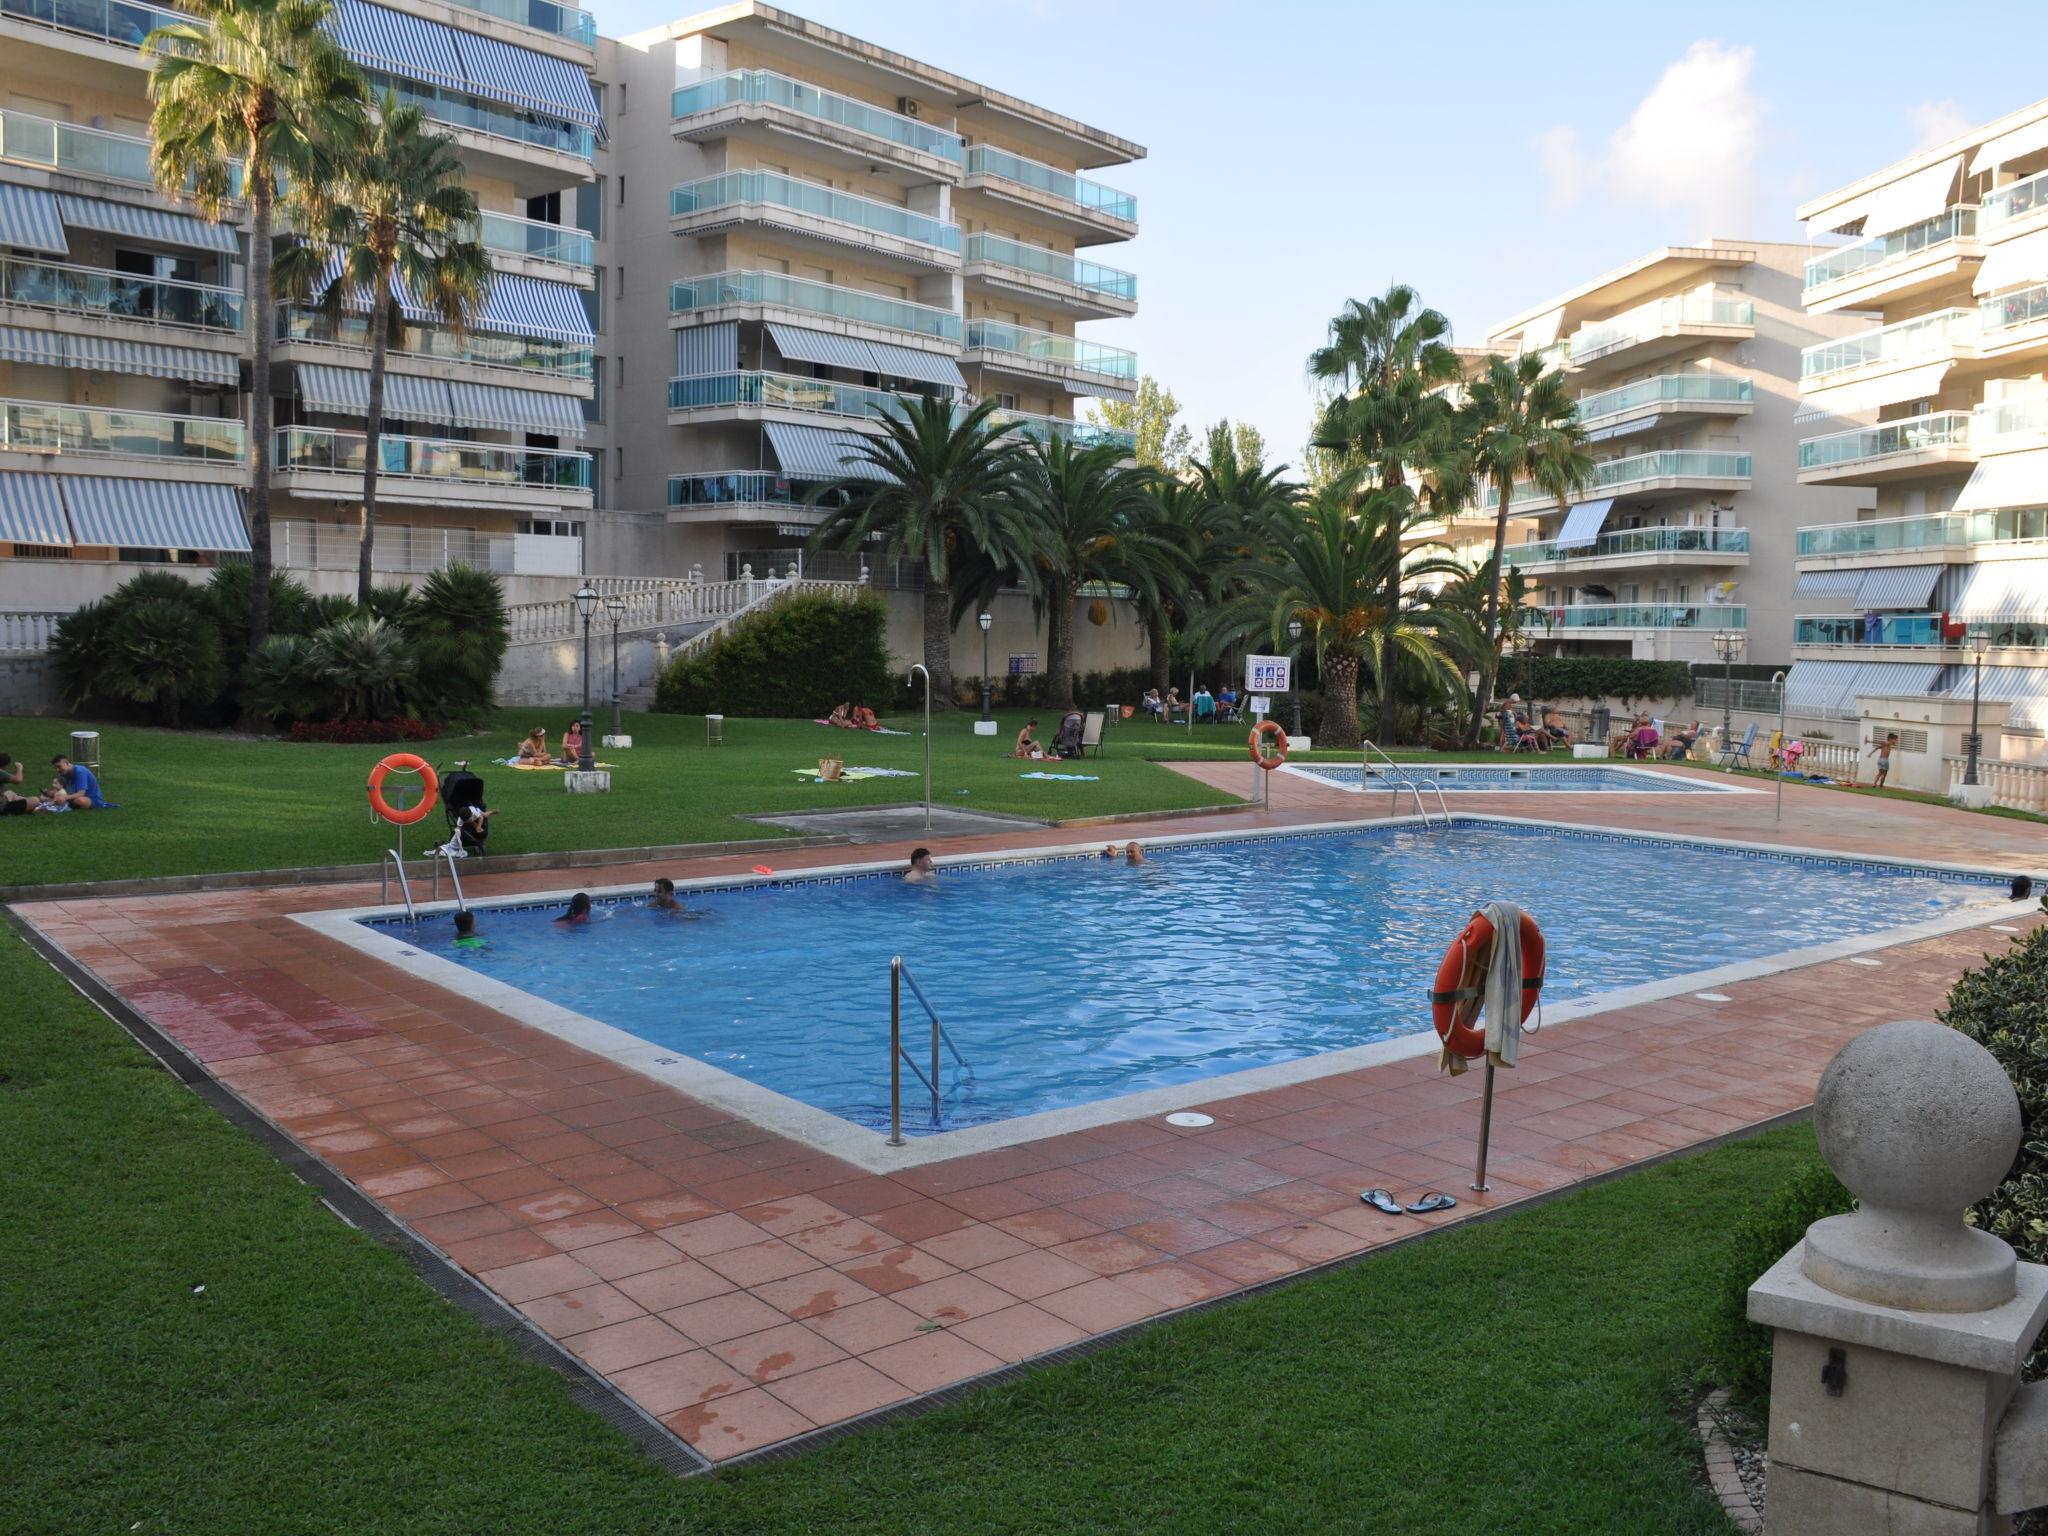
[(1514, 1376)]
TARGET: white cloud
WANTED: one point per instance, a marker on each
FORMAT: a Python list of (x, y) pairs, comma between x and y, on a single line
[(1936, 121), (1690, 145)]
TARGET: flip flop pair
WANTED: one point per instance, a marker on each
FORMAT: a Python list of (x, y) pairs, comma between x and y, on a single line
[(1380, 1200)]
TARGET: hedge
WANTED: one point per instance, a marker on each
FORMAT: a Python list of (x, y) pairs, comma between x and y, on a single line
[(1552, 678), (799, 657)]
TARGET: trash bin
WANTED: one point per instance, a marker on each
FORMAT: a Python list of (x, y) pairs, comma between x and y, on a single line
[(85, 749), (714, 730), (1603, 725)]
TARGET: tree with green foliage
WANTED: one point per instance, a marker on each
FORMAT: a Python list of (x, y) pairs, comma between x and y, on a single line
[(1238, 440), (933, 489), (459, 629), (800, 656), (391, 219), (1151, 416), (262, 80)]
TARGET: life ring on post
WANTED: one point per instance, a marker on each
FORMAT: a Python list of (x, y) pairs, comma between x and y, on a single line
[(1461, 983), (1263, 729), (403, 762)]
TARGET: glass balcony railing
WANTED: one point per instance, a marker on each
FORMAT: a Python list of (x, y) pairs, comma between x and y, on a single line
[(118, 21), (1650, 320), (37, 426), (1707, 616), (486, 349), (455, 109), (426, 458), (808, 197), (787, 391), (800, 293), (2026, 417), (1082, 434), (543, 16), (1046, 347), (68, 147), (1635, 541), (987, 160), (1922, 629), (1914, 434), (56, 285), (1053, 264), (739, 487), (2011, 202), (770, 89), (1938, 530), (1668, 464), (514, 236), (1665, 389), (1945, 229), (1908, 340), (2011, 309)]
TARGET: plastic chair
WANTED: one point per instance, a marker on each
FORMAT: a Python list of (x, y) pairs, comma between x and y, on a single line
[(1739, 753)]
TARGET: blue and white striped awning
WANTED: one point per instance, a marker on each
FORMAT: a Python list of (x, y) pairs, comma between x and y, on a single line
[(1898, 587), (31, 512), (358, 299), (497, 406), (815, 453), (1817, 687), (1582, 523), (2005, 592), (799, 344), (157, 224), (101, 354), (155, 514), (702, 349), (396, 43), (525, 78), (1835, 583), (2024, 688), (399, 44), (18, 344), (337, 391), (533, 306), (30, 219), (910, 363)]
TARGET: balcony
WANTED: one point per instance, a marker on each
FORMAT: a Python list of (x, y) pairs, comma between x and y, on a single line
[(120, 22), (562, 21), (1090, 211), (813, 213), (560, 245), (89, 152), (1940, 531), (2009, 204), (737, 395), (1694, 616), (744, 496), (1895, 265), (1837, 631), (1639, 547), (1042, 355), (2010, 424), (68, 431), (1940, 337), (482, 349), (64, 289), (1082, 434), (1660, 327), (492, 120), (1677, 469), (429, 470), (704, 296), (1053, 278), (858, 133), (1669, 394), (1891, 450), (2013, 322)]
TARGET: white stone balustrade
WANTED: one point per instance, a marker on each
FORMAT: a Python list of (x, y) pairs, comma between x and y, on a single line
[(2016, 786), (26, 633)]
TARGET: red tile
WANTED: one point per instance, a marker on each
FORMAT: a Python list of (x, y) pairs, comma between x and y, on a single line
[(537, 1277), (551, 1204), (896, 1270), (679, 1381), (953, 1299), (589, 1230), (1178, 1234), (1037, 1272), (776, 1352), (931, 1361), (1017, 1333), (758, 1263), (842, 1390), (838, 1241), (713, 1234), (868, 1325), (1097, 1306), (638, 1341), (726, 1426), (797, 1213), (1047, 1227), (814, 1293), (657, 1212), (971, 1247), (1109, 1253), (674, 1285), (1247, 1262), (499, 1249), (1175, 1284), (574, 1312), (719, 1318), (627, 1256), (919, 1219)]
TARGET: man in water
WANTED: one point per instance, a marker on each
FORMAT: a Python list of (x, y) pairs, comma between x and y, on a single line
[(466, 936), (579, 909), (922, 871), (664, 899), (1134, 854)]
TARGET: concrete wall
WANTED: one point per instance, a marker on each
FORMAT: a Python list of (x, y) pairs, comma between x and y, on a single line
[(28, 686), (550, 673), (1097, 648)]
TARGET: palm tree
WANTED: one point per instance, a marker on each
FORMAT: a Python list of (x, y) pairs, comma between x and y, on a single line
[(1520, 422), (1199, 531), (1325, 565), (1086, 519), (260, 79), (391, 214), (1244, 498), (936, 490)]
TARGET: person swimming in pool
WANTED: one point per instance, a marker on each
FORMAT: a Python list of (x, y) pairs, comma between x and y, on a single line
[(664, 897), (578, 910), (922, 870), (466, 936), (1133, 854)]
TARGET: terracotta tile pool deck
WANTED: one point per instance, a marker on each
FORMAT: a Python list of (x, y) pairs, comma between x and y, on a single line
[(745, 1289)]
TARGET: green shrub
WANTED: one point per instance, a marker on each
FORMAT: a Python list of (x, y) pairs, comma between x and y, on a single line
[(798, 657), (366, 667), (165, 655), (459, 632), (1742, 1349), (1553, 678), (79, 647), (279, 684)]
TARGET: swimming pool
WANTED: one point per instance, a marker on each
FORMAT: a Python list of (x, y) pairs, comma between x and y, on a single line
[(1493, 779), (1070, 980)]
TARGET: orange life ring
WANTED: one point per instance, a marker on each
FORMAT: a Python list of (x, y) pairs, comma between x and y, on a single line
[(1461, 983), (404, 762), (1268, 728)]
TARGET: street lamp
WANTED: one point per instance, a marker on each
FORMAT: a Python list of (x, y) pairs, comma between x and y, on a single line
[(987, 622), (586, 605), (616, 607), (1728, 646), (1294, 669), (1980, 642)]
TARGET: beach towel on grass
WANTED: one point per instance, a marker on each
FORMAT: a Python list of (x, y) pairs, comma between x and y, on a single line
[(1076, 778), (859, 773)]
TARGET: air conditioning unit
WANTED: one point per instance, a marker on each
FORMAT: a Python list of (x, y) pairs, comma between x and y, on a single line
[(906, 106)]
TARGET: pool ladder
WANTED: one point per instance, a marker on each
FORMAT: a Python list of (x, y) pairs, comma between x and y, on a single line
[(1400, 780), (394, 860), (899, 1057)]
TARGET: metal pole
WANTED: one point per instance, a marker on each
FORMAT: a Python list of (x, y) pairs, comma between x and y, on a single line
[(985, 715), (1485, 1128), (1728, 695), (896, 1052), (617, 728), (920, 667), (1976, 695), (935, 1071), (1778, 812), (585, 761)]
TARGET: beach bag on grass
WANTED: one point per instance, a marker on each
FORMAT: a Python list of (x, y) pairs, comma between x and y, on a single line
[(830, 768)]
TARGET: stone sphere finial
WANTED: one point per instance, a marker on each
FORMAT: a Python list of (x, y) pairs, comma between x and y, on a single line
[(1919, 1122)]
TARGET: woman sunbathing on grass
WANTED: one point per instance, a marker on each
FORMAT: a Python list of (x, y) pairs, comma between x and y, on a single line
[(864, 719), (534, 749), (572, 743)]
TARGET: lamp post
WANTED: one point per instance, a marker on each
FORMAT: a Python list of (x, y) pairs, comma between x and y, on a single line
[(1294, 669), (987, 622), (1980, 642), (616, 607), (586, 605), (1728, 646)]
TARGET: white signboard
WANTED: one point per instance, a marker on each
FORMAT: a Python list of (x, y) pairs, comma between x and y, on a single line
[(1268, 674), (1261, 705)]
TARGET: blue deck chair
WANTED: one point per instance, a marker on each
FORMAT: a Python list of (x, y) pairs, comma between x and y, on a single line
[(1205, 709), (1739, 753)]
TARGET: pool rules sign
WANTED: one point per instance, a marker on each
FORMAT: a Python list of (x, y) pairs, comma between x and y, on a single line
[(1268, 674)]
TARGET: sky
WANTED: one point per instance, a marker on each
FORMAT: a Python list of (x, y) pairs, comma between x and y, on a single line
[(1489, 155)]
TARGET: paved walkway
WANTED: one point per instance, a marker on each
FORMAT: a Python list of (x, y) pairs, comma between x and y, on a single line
[(746, 1289)]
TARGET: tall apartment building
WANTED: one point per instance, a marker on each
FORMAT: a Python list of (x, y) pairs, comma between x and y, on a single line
[(1943, 391), (1685, 364), (125, 345)]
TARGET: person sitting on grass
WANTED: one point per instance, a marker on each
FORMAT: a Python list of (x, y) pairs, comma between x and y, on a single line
[(864, 719), (841, 716), (12, 804), (1226, 703), (1027, 744), (78, 785), (579, 909), (922, 870), (52, 800), (572, 743), (1173, 706), (533, 752), (10, 770), (466, 936)]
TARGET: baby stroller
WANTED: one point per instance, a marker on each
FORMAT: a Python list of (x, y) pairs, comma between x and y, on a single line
[(1067, 743), (462, 801)]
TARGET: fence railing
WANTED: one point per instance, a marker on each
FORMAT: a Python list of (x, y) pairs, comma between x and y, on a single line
[(26, 632), (2016, 786), (401, 549), (654, 602), (1751, 696)]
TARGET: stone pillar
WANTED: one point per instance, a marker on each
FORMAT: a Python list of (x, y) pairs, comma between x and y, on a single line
[(1899, 1330)]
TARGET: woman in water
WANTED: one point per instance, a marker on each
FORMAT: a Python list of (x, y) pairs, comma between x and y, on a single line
[(579, 909)]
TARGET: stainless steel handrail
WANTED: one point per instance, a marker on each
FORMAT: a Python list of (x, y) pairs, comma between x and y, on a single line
[(1397, 778), (404, 887), (899, 1057), (443, 851)]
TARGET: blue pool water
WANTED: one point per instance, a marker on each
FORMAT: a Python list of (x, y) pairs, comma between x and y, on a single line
[(1069, 980), (1490, 779)]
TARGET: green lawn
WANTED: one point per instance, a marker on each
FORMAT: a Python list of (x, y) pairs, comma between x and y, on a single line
[(1514, 1377)]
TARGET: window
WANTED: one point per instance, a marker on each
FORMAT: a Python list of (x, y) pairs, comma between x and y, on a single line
[(597, 95), (590, 208), (593, 301), (557, 528), (619, 286), (622, 191), (622, 370), (618, 464), (1006, 402), (622, 98), (597, 478), (546, 209), (593, 408)]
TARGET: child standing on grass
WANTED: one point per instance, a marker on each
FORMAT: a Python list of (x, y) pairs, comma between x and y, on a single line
[(1884, 749)]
